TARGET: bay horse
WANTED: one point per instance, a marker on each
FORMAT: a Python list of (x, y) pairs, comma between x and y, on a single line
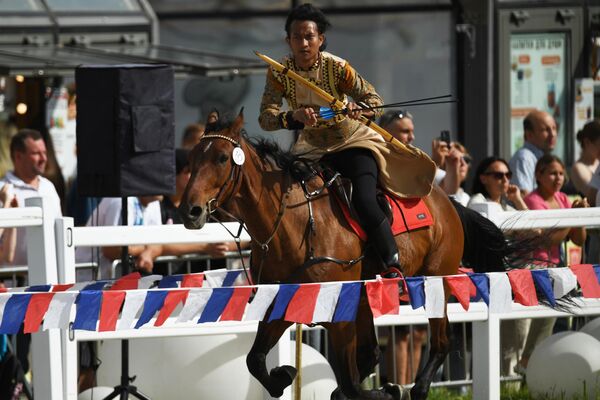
[(296, 241)]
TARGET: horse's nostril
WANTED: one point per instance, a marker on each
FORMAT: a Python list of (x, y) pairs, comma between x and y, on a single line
[(195, 211)]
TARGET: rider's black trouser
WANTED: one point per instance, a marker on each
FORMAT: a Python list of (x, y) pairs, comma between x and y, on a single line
[(360, 167)]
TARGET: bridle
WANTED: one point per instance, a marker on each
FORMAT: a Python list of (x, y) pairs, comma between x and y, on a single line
[(235, 176)]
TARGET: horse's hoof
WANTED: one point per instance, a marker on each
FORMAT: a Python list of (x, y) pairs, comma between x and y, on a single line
[(338, 395), (282, 377), (397, 391)]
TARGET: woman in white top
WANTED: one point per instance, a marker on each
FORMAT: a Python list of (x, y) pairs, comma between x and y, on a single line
[(492, 183), (584, 168)]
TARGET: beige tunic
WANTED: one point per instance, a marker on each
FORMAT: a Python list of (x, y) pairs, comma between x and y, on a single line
[(404, 172)]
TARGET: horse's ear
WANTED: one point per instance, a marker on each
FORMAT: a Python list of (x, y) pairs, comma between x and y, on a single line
[(213, 116), (238, 124)]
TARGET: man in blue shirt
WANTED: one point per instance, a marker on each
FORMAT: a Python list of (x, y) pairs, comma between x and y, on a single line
[(540, 138)]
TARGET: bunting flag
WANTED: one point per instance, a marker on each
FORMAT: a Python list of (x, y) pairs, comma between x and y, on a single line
[(416, 291), (435, 299), (460, 287), (500, 296), (588, 280), (523, 287), (541, 278), (564, 281), (383, 296), (219, 296)]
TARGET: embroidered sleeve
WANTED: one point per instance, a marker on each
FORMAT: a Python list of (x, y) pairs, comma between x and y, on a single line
[(354, 85), (270, 118)]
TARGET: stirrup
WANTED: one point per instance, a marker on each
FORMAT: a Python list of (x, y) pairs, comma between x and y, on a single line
[(391, 273)]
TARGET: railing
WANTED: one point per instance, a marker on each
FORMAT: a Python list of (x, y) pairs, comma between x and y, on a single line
[(55, 264)]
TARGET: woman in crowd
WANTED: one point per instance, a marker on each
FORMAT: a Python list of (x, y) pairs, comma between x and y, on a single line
[(456, 166), (584, 168), (586, 179), (492, 184), (550, 178)]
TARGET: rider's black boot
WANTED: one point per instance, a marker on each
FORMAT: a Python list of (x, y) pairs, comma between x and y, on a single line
[(385, 245)]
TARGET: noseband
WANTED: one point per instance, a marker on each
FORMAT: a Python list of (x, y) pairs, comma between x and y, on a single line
[(236, 169)]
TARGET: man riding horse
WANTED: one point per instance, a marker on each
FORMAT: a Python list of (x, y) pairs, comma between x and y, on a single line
[(356, 151)]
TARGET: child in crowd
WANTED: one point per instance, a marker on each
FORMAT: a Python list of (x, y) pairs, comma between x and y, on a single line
[(550, 178)]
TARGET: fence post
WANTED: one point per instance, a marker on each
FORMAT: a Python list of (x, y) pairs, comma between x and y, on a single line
[(65, 259), (45, 346), (486, 358)]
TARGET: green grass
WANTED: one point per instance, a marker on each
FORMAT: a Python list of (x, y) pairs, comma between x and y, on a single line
[(507, 393)]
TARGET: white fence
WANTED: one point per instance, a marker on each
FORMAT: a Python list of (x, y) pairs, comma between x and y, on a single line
[(51, 258)]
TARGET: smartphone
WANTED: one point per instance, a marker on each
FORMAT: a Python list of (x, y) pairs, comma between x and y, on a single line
[(445, 137)]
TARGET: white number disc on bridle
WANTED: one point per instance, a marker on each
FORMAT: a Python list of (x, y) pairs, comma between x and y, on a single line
[(238, 156)]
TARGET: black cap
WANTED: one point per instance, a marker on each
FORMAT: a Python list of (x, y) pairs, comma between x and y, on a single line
[(181, 159)]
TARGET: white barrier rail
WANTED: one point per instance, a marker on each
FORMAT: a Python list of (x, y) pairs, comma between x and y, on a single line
[(58, 262)]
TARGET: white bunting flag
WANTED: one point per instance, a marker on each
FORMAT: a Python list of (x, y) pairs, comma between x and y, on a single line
[(435, 299), (500, 292), (214, 278), (59, 310), (3, 299), (194, 304), (146, 281), (133, 302), (564, 281), (326, 302), (262, 300)]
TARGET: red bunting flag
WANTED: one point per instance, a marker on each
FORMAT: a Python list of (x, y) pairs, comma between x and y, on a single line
[(109, 312), (383, 297), (234, 310), (460, 287), (127, 282), (587, 279), (523, 287), (38, 305), (192, 280), (302, 306), (174, 297), (62, 288)]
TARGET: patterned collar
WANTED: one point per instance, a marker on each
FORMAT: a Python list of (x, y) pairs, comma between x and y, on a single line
[(313, 67)]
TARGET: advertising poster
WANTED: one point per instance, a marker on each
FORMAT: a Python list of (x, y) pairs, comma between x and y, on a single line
[(584, 107), (537, 81), (61, 127)]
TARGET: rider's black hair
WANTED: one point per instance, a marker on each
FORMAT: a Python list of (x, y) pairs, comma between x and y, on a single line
[(308, 12)]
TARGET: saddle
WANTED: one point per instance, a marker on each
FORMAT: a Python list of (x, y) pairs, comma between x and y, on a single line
[(403, 214)]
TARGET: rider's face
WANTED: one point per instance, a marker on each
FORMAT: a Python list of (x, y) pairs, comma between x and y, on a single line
[(305, 41)]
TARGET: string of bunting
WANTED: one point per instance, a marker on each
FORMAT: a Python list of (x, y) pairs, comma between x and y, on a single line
[(224, 295)]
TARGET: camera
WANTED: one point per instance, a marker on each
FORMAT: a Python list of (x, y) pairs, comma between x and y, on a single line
[(445, 137)]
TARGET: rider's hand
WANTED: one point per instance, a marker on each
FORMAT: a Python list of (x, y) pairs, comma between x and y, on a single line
[(306, 115), (355, 111)]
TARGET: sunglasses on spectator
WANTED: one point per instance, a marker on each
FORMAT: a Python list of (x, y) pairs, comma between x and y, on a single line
[(499, 175), (467, 159)]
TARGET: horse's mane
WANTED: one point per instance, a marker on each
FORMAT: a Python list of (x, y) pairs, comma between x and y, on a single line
[(299, 168)]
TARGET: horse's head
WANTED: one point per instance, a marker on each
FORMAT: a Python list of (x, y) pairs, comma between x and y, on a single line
[(215, 165)]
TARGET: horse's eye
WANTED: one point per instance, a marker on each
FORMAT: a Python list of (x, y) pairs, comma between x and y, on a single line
[(223, 158)]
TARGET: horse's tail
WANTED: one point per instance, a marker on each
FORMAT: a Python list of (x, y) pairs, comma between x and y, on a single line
[(486, 249)]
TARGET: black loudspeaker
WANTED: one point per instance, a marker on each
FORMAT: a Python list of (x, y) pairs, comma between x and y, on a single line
[(125, 130)]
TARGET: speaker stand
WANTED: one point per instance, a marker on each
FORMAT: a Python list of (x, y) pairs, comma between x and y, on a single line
[(125, 389)]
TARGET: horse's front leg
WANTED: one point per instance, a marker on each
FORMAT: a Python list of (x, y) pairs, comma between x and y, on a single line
[(440, 347), (344, 344), (267, 336)]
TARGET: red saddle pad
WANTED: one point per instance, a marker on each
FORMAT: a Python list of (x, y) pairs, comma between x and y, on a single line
[(409, 214)]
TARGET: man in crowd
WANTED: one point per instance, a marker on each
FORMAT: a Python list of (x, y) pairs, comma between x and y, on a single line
[(540, 137), (28, 154)]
